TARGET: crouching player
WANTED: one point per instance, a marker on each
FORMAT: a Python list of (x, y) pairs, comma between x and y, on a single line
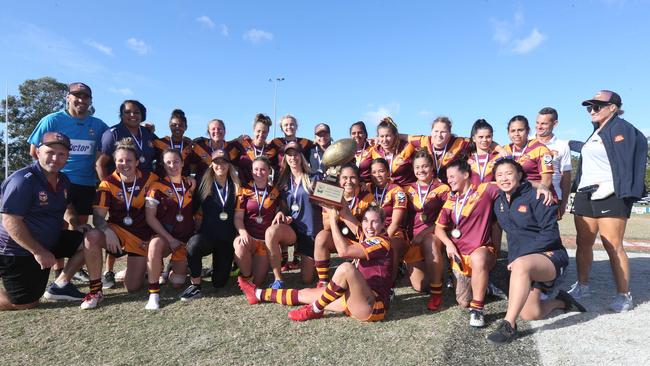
[(361, 291)]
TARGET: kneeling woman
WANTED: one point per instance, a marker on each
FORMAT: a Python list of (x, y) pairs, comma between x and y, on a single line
[(536, 257), (360, 291), (169, 213), (121, 195), (255, 210)]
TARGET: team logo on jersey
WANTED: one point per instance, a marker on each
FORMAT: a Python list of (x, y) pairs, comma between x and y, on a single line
[(42, 196), (373, 241), (119, 195), (548, 159), (501, 207), (522, 208), (27, 175), (401, 197), (619, 138)]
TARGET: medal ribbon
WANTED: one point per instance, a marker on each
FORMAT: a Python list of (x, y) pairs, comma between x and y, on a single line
[(426, 193), (518, 155), (127, 198), (260, 204), (380, 200), (459, 213), (180, 198), (435, 157), (294, 192), (139, 143), (481, 171)]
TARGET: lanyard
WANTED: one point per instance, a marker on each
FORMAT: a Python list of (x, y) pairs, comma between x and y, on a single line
[(256, 152), (435, 157), (294, 192), (380, 200), (426, 193), (174, 145), (359, 153), (517, 155), (458, 213), (180, 198), (139, 143), (223, 198), (127, 198), (390, 162), (260, 204), (351, 204), (319, 157), (481, 171)]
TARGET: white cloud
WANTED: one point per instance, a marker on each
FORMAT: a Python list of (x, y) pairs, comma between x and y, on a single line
[(205, 21), (138, 46), (122, 91), (502, 32), (224, 30), (526, 45), (99, 47), (258, 35), (374, 116)]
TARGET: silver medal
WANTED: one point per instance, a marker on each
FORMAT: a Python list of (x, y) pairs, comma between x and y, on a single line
[(259, 219), (456, 233), (223, 216), (345, 231), (142, 160), (179, 218), (128, 221), (295, 207)]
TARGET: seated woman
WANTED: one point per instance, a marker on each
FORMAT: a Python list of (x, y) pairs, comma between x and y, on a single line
[(360, 291), (169, 214), (298, 221), (121, 195), (536, 257), (255, 210)]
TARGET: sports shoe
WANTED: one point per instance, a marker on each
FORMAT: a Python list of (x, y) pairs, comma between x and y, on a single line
[(108, 280), (92, 300), (476, 319), (503, 334), (570, 304), (450, 282), (305, 313), (153, 303), (435, 300), (69, 292), (81, 276), (493, 290), (248, 289), (164, 277), (206, 272), (579, 291), (277, 284), (621, 303), (192, 292)]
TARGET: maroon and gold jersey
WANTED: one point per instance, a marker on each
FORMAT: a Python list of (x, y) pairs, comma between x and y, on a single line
[(482, 165), (111, 196), (401, 165), (161, 192), (536, 159), (248, 202), (160, 145), (202, 150), (456, 148), (247, 152), (361, 202), (305, 144), (422, 215), (363, 162), (476, 217), (377, 266), (393, 197)]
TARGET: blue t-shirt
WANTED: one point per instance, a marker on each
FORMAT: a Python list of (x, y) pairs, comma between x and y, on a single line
[(85, 137), (308, 219), (27, 193), (143, 141)]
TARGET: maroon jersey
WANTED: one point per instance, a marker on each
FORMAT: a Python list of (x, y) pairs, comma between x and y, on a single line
[(535, 158), (456, 148), (305, 144), (482, 166), (202, 149), (185, 147), (358, 206), (377, 266), (390, 198), (424, 205), (400, 165), (476, 217), (247, 152), (162, 194), (248, 201), (363, 163), (111, 196)]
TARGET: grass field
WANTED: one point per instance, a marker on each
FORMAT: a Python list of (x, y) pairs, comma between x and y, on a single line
[(223, 329)]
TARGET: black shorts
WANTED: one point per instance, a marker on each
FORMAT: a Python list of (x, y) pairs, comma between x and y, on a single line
[(22, 276), (82, 198), (560, 260), (611, 206), (305, 244)]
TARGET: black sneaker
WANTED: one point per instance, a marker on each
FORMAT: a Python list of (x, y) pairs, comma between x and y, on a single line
[(69, 292), (570, 304), (503, 334), (108, 280), (192, 292), (81, 276)]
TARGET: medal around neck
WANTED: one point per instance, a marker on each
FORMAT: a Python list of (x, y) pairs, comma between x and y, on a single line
[(223, 216), (128, 221), (179, 218), (295, 207), (456, 234), (327, 191), (259, 219)]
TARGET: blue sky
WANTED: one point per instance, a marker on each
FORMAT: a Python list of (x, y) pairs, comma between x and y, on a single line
[(342, 61)]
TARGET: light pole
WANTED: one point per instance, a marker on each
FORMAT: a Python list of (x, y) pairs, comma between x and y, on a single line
[(275, 99)]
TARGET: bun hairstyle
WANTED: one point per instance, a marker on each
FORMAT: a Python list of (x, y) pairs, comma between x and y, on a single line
[(141, 107), (423, 154), (513, 162), (172, 151), (462, 165), (480, 124), (351, 165), (264, 159), (388, 122), (179, 115), (127, 144), (262, 118)]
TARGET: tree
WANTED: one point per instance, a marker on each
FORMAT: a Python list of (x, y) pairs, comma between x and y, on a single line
[(38, 98)]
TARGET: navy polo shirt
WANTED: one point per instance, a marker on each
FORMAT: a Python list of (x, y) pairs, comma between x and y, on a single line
[(118, 132), (308, 220), (27, 193)]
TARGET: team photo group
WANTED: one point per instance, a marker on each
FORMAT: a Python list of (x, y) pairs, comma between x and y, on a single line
[(428, 208)]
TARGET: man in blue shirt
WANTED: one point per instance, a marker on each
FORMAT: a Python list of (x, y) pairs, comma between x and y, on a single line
[(33, 203)]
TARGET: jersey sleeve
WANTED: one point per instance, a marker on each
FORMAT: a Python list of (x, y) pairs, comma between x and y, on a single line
[(43, 126), (103, 196), (375, 247), (444, 217), (240, 204), (415, 140), (17, 196), (545, 160), (399, 198), (108, 143)]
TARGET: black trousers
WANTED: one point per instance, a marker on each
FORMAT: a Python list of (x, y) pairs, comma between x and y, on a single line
[(222, 252)]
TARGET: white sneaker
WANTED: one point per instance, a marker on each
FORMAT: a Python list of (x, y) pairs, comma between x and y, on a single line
[(153, 303), (476, 319), (92, 300), (622, 302), (579, 291)]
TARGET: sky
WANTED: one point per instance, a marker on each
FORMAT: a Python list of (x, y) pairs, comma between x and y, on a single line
[(342, 61)]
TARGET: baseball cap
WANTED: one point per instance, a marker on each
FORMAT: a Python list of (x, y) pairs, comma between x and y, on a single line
[(220, 154), (52, 138), (604, 97), (82, 88), (292, 145), (321, 127)]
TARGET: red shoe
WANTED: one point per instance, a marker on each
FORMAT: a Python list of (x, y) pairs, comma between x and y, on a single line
[(435, 300), (248, 289), (305, 313)]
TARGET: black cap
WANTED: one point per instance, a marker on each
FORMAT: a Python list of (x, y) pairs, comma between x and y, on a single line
[(604, 97), (53, 138)]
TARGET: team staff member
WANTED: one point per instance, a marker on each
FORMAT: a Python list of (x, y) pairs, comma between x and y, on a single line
[(255, 210), (289, 126), (169, 214), (610, 178), (203, 147), (396, 152), (121, 195), (298, 221), (215, 203), (177, 140), (533, 155), (427, 196), (360, 291), (251, 147), (536, 257), (359, 133), (322, 140), (34, 201)]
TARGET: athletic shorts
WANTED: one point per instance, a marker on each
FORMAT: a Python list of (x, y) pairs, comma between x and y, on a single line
[(560, 260), (131, 244), (260, 247), (305, 244), (611, 206), (180, 254), (22, 276), (378, 310), (467, 267), (82, 198), (413, 254)]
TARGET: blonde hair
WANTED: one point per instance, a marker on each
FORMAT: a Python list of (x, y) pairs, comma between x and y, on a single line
[(285, 173), (207, 182), (127, 144), (289, 116)]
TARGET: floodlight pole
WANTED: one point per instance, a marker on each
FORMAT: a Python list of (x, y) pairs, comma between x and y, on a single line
[(7, 130), (275, 99)]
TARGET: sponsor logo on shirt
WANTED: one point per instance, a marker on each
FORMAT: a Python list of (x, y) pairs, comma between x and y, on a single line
[(42, 197), (401, 197), (548, 159), (82, 147), (522, 208), (619, 138)]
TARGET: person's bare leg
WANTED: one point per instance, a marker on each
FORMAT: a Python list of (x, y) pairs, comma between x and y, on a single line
[(307, 269), (586, 230), (94, 241), (260, 265), (482, 261), (612, 231), (135, 270), (524, 270), (243, 257), (277, 236)]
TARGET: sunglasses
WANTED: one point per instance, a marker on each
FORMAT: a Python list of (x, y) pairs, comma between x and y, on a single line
[(595, 107)]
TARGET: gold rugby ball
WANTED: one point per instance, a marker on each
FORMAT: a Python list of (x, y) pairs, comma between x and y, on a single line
[(340, 152)]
